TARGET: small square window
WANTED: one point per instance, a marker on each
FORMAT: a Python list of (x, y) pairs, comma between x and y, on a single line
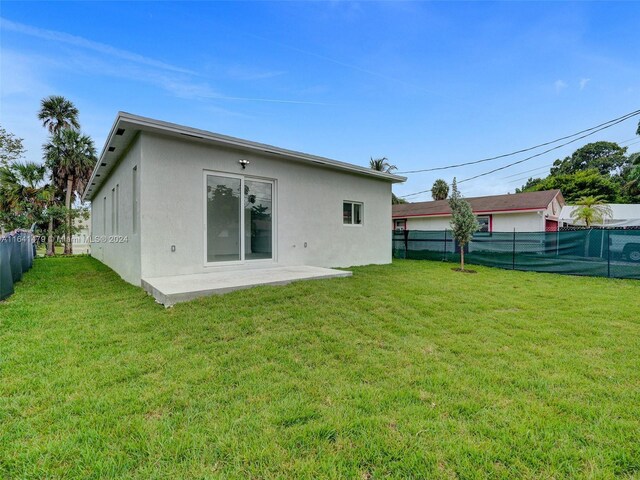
[(352, 213), (401, 225), (485, 224)]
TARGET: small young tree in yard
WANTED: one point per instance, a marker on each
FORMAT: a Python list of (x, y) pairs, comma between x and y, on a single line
[(463, 222)]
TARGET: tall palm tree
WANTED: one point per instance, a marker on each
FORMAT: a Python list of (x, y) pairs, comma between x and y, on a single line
[(381, 165), (440, 190), (71, 157), (591, 209), (57, 113)]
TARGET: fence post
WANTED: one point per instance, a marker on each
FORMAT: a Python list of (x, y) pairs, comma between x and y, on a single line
[(608, 253), (513, 253), (405, 233), (444, 250)]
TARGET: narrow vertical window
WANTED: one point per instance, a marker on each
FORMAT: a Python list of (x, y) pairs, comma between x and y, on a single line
[(134, 198), (113, 210), (104, 216), (117, 209)]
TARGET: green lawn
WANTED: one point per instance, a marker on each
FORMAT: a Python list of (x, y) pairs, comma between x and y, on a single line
[(407, 370)]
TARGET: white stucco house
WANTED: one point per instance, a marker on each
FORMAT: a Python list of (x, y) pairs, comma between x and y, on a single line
[(622, 216), (174, 208), (522, 212)]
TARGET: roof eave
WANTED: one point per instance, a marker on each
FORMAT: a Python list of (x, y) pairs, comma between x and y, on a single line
[(478, 212), (219, 139)]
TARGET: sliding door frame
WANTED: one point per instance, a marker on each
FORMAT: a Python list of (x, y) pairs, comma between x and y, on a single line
[(274, 213)]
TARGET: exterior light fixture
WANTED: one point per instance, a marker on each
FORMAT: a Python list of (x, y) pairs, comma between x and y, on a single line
[(244, 163)]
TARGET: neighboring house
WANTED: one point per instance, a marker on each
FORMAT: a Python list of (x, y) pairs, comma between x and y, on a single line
[(81, 239), (169, 200), (624, 215), (522, 212)]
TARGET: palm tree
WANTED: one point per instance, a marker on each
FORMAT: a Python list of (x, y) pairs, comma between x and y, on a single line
[(71, 157), (381, 165), (591, 209), (22, 193), (440, 190), (57, 113)]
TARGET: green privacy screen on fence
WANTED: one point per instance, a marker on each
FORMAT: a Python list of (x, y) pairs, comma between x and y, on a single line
[(16, 257), (594, 252)]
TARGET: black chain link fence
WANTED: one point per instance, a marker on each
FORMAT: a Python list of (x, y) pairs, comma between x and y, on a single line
[(591, 252), (17, 251)]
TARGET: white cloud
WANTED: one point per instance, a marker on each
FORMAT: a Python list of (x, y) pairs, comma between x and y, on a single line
[(559, 85), (174, 79), (87, 44), (250, 74), (583, 83)]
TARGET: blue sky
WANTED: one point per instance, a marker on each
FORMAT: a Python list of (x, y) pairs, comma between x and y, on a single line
[(425, 84)]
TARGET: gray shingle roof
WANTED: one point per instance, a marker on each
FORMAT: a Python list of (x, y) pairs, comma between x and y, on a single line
[(493, 203)]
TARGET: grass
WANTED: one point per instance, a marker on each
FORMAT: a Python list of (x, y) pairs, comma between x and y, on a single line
[(41, 250), (408, 370)]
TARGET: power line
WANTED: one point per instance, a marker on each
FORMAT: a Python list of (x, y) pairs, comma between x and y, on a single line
[(620, 120), (627, 140), (595, 129), (527, 171), (551, 165), (601, 127), (518, 180)]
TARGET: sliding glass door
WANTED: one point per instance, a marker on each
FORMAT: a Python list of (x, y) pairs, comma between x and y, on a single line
[(223, 218), (239, 218), (258, 220)]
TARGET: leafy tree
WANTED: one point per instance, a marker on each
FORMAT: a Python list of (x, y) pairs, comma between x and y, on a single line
[(575, 185), (57, 114), (463, 222), (71, 157), (606, 157), (11, 148), (632, 178), (381, 165), (395, 200), (591, 210), (440, 190)]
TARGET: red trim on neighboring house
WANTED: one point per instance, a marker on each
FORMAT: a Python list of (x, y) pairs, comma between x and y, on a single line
[(477, 212), (550, 225)]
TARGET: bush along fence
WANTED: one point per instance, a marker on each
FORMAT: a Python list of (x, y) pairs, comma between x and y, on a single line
[(16, 257), (591, 252)]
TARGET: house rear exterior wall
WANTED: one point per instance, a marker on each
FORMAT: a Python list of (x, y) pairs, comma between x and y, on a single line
[(118, 247), (308, 215), (501, 222), (520, 222)]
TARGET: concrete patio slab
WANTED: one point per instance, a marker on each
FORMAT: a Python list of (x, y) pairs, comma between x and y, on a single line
[(181, 288)]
